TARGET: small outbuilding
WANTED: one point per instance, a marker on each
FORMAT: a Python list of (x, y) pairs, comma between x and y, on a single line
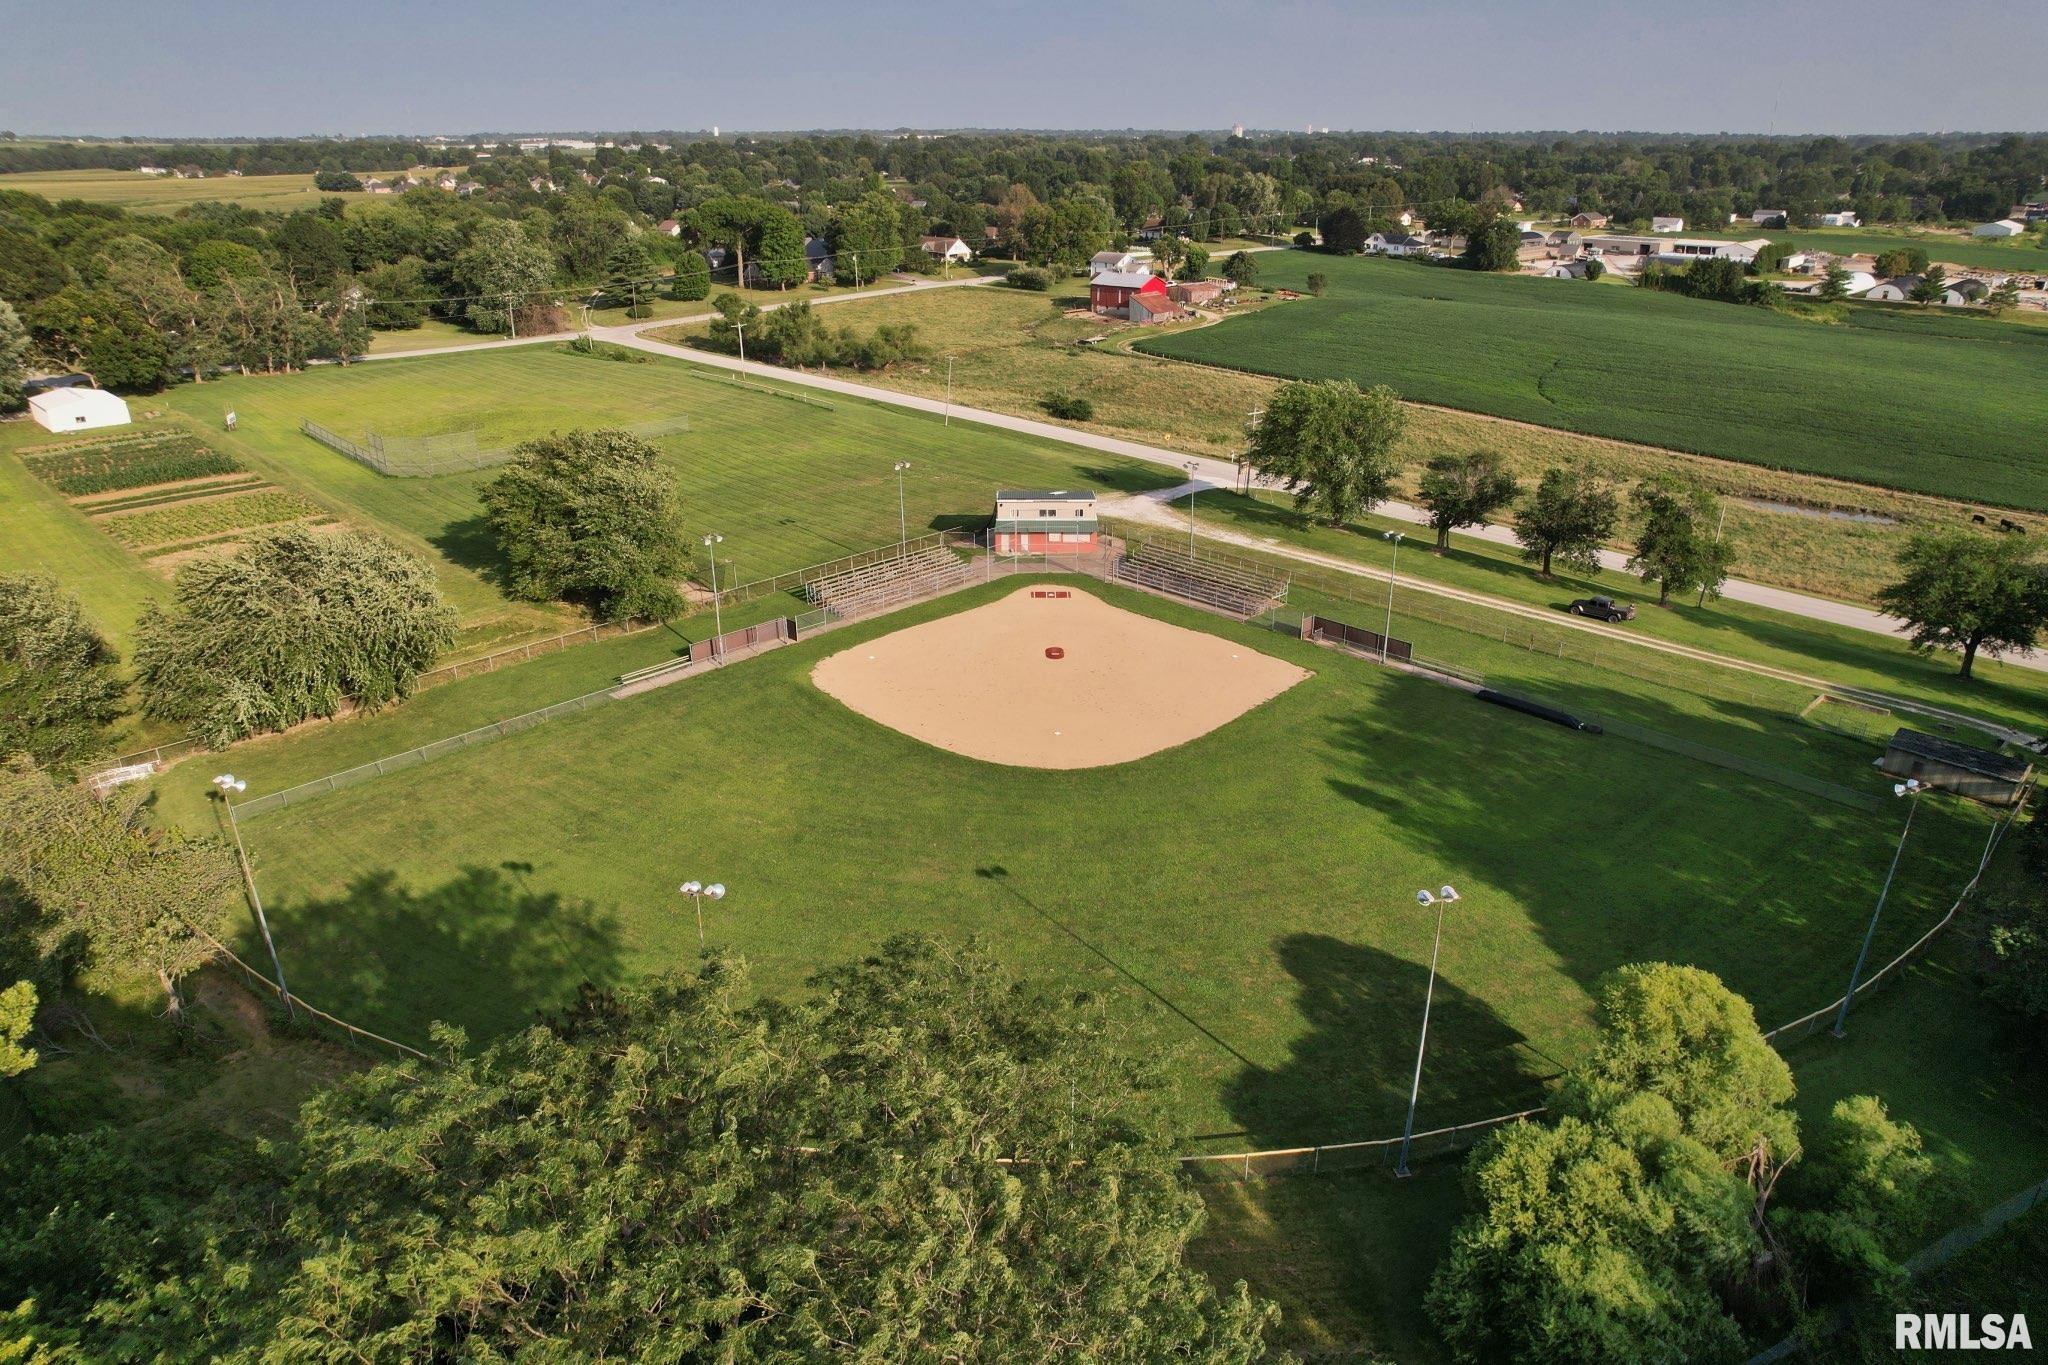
[(1981, 774), (1149, 308), (1110, 293), (1195, 293), (1039, 522), (78, 409), (2004, 227)]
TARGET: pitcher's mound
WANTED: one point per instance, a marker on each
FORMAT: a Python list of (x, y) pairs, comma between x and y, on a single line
[(1037, 681)]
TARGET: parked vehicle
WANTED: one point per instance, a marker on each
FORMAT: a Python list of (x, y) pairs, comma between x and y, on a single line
[(1604, 609)]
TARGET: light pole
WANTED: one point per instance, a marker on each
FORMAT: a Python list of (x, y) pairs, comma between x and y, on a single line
[(949, 390), (228, 786), (1440, 898), (1393, 572), (902, 521), (740, 330), (712, 540), (1910, 789), (1190, 466), (698, 894)]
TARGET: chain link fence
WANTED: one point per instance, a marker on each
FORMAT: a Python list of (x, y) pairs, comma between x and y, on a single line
[(454, 452)]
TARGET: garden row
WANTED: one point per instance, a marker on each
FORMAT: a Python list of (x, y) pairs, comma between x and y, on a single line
[(126, 462)]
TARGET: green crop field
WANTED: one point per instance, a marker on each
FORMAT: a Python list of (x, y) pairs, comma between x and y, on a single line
[(1943, 404), (166, 194), (1246, 899)]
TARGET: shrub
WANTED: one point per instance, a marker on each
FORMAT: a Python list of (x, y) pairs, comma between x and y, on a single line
[(1068, 407), (1317, 283), (1304, 239), (1031, 278)]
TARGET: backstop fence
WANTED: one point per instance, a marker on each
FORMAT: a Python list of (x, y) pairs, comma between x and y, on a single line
[(454, 452)]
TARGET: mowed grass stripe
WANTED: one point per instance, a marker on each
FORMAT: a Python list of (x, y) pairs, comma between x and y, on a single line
[(1951, 406)]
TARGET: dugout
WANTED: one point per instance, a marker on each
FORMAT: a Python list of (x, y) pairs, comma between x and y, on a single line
[(1981, 774)]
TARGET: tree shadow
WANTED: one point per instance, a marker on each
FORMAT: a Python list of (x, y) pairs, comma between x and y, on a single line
[(1348, 1077), (472, 544), (482, 950), (1132, 478)]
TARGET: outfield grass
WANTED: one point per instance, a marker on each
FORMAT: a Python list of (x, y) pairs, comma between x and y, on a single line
[(1253, 915), (1942, 405), (166, 194), (1009, 349)]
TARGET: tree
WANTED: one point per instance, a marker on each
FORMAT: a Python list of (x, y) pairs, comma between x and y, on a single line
[(733, 222), (1905, 260), (1318, 283), (1929, 288), (95, 872), (59, 685), (686, 1172), (1464, 490), (2004, 297), (1969, 592), (1678, 1033), (1834, 286), (629, 275), (1679, 547), (1332, 445), (1595, 268), (1241, 269), (591, 517), (396, 295), (1568, 517), (498, 273), (1595, 1243), (1494, 246), (692, 278), (17, 1017), (295, 625), (1855, 1207), (13, 358), (867, 236), (782, 261), (1194, 262)]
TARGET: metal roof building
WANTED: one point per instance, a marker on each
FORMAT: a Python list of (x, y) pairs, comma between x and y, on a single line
[(1965, 769)]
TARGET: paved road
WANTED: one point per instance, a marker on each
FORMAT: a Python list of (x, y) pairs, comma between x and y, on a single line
[(1212, 473)]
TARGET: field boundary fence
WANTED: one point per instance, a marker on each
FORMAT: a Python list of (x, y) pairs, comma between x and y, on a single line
[(453, 452)]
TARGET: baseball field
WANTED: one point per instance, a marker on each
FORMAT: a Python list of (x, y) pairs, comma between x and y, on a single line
[(1245, 897)]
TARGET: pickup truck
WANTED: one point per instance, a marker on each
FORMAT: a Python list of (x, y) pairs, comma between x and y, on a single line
[(1604, 609)]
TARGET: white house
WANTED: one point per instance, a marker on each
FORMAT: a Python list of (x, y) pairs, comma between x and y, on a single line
[(947, 248), (1395, 244), (1844, 219), (1661, 224), (1123, 262), (77, 409), (2004, 227)]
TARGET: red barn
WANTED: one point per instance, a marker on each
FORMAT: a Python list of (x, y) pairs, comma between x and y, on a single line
[(1110, 292)]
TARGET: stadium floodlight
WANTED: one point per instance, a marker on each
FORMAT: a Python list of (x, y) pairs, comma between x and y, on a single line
[(1910, 789), (712, 540), (229, 786), (1443, 896), (698, 893), (1393, 572), (1191, 466), (902, 521)]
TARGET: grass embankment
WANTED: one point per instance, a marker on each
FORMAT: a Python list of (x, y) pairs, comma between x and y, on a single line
[(1944, 406), (1011, 349)]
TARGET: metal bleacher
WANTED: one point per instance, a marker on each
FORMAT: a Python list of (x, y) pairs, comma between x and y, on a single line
[(1236, 586), (887, 582)]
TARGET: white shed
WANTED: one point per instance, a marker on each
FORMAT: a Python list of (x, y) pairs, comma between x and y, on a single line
[(78, 409), (2004, 227)]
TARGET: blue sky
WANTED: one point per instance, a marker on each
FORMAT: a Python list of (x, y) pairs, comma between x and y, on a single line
[(231, 66)]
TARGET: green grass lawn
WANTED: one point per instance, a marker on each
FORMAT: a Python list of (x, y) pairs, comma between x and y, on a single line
[(2011, 253), (1942, 405), (1253, 916)]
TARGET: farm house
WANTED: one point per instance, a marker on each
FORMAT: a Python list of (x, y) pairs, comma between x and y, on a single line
[(78, 409), (1051, 523)]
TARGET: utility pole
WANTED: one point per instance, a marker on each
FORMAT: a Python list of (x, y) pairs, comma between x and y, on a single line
[(949, 390), (1719, 521), (229, 786)]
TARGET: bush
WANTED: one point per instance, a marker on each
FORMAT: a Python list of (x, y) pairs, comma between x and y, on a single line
[(1317, 283), (1068, 407), (296, 625), (1595, 268), (1031, 278), (1304, 239)]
